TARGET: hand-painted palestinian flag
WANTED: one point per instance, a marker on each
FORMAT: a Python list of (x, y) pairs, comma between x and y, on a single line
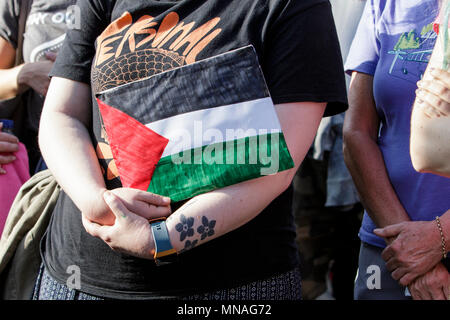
[(196, 128)]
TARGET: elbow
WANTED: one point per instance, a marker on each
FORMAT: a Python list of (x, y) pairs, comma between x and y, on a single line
[(278, 183), (419, 159), (416, 160), (288, 177)]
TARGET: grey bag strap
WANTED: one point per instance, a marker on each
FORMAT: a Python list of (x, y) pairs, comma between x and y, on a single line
[(25, 7)]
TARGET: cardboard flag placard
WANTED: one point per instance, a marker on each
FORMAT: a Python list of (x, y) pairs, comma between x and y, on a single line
[(196, 128)]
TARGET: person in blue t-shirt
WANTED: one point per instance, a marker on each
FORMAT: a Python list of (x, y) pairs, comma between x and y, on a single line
[(388, 57)]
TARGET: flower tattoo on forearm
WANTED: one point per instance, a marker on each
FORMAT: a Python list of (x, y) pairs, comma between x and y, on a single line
[(185, 227), (207, 228), (186, 230)]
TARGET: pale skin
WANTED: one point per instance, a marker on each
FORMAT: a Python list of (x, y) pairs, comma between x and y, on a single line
[(430, 121), (108, 216), (14, 81), (366, 165)]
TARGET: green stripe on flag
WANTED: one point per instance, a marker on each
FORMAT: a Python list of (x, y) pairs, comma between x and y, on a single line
[(196, 171)]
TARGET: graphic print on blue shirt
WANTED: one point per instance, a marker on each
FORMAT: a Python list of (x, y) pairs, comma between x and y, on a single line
[(412, 53)]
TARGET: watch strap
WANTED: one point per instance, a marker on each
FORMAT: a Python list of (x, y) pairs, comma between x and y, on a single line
[(164, 251)]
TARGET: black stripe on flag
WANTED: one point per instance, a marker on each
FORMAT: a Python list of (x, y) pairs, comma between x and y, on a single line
[(224, 79)]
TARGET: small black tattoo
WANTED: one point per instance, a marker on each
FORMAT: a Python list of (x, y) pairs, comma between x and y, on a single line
[(185, 227), (207, 228)]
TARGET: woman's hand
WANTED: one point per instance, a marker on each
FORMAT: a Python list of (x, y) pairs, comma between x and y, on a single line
[(141, 203), (8, 145), (415, 250), (35, 75), (130, 233), (433, 94), (434, 285), (144, 204)]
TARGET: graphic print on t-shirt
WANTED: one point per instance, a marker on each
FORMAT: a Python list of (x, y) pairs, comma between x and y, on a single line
[(412, 53), (130, 50)]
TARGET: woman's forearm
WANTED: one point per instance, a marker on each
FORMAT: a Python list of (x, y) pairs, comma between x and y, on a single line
[(366, 165), (216, 213), (11, 82), (363, 156), (67, 147), (429, 143)]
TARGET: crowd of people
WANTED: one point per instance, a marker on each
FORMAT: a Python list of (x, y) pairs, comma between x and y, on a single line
[(361, 91)]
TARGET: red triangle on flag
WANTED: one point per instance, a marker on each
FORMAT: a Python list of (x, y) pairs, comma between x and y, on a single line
[(136, 148)]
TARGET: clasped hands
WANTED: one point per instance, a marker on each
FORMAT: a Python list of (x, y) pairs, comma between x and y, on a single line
[(120, 218), (413, 256)]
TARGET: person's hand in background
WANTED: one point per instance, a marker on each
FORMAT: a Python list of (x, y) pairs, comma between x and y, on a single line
[(8, 145), (35, 75), (415, 250)]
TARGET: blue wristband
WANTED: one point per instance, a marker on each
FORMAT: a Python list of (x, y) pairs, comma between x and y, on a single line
[(164, 252)]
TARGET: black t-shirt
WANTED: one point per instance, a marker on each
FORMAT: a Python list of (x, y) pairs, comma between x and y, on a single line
[(299, 53)]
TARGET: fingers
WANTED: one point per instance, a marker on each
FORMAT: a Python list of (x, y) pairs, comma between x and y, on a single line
[(446, 290), (152, 198), (144, 204), (441, 75), (425, 98), (156, 212), (407, 279), (116, 206), (6, 137), (436, 92), (92, 228), (389, 231), (391, 264), (416, 294), (8, 145), (6, 159), (398, 274), (437, 294), (435, 87), (422, 290), (387, 253)]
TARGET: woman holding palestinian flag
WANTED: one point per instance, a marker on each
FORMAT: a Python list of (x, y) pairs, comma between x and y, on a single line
[(196, 110)]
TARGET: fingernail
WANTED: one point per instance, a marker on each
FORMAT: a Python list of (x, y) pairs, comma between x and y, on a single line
[(166, 199)]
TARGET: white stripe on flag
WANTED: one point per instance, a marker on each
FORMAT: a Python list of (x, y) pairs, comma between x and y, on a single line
[(215, 125)]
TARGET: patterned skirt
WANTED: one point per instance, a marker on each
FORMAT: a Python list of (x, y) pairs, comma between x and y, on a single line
[(284, 286)]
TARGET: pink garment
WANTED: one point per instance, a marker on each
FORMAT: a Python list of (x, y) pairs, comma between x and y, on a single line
[(17, 173)]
